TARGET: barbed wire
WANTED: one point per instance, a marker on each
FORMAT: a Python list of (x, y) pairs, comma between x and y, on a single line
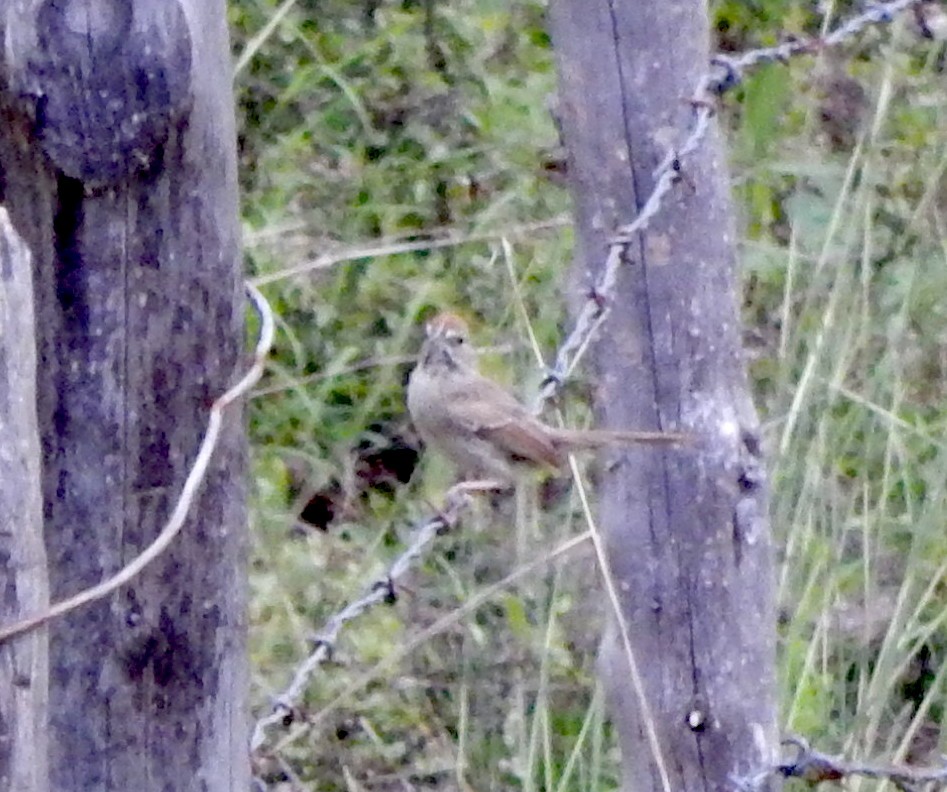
[(815, 767), (726, 72), (382, 590)]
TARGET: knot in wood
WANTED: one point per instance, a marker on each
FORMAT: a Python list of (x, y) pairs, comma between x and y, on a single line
[(107, 81)]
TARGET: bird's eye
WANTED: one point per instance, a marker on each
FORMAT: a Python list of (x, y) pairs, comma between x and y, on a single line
[(456, 340)]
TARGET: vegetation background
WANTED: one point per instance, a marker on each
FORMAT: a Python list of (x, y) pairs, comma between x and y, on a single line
[(399, 156)]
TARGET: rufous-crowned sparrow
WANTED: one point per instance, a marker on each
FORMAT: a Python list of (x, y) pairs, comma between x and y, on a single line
[(480, 427)]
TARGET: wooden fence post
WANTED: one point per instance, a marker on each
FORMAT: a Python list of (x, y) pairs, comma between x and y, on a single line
[(687, 530), (118, 161), (23, 579)]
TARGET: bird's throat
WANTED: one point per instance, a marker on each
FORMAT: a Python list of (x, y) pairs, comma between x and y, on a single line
[(440, 359)]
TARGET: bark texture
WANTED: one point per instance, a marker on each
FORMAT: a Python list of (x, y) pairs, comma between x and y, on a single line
[(23, 581), (687, 530), (118, 161)]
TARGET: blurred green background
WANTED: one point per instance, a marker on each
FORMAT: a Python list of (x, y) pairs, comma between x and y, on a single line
[(398, 157)]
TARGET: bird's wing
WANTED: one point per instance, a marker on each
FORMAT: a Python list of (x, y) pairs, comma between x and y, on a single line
[(488, 411)]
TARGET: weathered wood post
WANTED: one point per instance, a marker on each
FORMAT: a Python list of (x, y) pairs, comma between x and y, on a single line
[(687, 531), (23, 580), (117, 152)]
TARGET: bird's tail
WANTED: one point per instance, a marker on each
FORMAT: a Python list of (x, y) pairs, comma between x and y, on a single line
[(598, 438)]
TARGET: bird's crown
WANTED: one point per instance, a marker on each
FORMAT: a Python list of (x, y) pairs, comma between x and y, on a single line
[(445, 325)]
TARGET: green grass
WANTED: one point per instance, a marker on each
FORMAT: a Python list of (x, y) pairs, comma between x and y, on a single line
[(403, 127)]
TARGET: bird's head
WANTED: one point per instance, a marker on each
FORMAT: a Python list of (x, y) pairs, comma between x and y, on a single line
[(448, 342)]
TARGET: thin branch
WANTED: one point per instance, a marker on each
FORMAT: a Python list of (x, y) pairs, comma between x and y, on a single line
[(253, 45), (320, 376), (611, 590), (192, 484), (328, 260)]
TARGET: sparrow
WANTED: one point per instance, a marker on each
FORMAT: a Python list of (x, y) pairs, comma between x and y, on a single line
[(481, 427)]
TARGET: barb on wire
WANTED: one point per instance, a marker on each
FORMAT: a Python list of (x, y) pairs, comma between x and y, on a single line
[(190, 489), (734, 67), (814, 767), (285, 706), (726, 72)]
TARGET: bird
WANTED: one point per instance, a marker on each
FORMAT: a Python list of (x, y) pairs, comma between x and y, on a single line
[(481, 427)]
